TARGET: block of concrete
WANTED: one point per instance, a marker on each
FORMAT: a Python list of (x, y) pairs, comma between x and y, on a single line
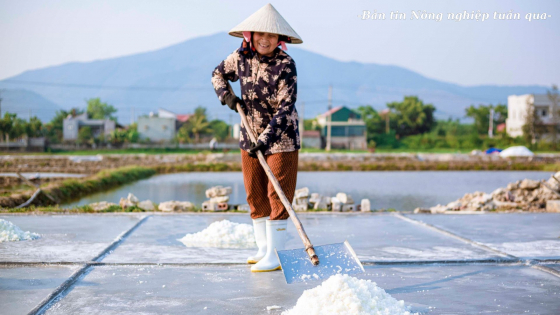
[(336, 205), (170, 206), (553, 206), (365, 205), (345, 198), (218, 191), (300, 207)]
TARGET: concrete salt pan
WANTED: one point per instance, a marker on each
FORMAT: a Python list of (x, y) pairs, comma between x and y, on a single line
[(223, 234)]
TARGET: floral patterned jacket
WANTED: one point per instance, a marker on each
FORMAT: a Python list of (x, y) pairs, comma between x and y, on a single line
[(269, 90)]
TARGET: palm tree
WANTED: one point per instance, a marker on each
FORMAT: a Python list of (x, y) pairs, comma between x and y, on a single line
[(198, 124)]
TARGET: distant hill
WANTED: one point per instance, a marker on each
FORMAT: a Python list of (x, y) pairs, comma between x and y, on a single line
[(23, 102), (177, 78)]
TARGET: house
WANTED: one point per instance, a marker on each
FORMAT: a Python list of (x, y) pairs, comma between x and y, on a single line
[(72, 124), (348, 130), (517, 111), (312, 139), (160, 127)]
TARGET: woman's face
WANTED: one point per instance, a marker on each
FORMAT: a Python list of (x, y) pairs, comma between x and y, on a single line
[(265, 43)]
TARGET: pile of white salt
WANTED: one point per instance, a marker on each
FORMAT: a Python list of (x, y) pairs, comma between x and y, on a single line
[(343, 294), (10, 232), (224, 234)]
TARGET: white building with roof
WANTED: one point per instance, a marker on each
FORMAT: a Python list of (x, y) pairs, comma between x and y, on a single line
[(517, 111), (72, 124), (161, 127)]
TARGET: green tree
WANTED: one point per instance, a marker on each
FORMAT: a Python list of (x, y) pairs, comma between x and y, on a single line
[(12, 127), (34, 128), (311, 124), (85, 135), (220, 129), (194, 127), (128, 135), (100, 110), (375, 124), (411, 116), (183, 135), (554, 98), (481, 116)]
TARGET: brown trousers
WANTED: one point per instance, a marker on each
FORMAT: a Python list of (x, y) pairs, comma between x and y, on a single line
[(261, 196)]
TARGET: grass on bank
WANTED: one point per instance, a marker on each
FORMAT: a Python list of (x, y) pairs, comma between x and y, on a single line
[(193, 151)]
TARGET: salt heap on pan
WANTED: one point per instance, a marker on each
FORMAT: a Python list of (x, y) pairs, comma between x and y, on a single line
[(224, 234), (10, 232), (343, 294)]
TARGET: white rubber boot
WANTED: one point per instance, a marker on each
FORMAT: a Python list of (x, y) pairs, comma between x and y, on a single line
[(276, 231), (259, 228)]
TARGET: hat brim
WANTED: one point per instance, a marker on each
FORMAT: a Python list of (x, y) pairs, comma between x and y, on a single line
[(239, 34)]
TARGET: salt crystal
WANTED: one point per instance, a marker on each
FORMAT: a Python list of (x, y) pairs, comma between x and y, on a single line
[(343, 294), (223, 234), (273, 307), (10, 232)]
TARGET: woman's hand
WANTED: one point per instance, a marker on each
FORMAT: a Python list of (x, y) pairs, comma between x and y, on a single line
[(231, 101), (257, 147)]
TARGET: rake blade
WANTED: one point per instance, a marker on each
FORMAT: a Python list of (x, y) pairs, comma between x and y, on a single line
[(333, 259)]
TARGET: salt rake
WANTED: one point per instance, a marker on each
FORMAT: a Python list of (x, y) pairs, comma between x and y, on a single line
[(302, 265)]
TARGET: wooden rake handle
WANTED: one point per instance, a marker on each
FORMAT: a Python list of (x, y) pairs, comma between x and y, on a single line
[(287, 203)]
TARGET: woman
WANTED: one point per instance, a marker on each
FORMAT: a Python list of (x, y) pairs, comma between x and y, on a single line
[(269, 91)]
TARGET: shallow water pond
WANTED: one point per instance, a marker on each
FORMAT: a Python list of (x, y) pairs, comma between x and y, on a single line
[(398, 190)]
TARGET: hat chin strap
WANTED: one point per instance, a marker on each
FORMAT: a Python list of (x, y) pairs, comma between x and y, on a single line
[(247, 36)]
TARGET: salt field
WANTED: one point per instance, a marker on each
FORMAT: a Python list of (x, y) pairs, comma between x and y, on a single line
[(133, 263)]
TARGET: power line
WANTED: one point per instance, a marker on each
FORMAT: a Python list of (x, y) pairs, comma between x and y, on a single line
[(115, 87), (108, 87), (153, 88)]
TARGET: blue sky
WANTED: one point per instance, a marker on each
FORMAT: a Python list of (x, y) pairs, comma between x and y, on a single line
[(38, 34)]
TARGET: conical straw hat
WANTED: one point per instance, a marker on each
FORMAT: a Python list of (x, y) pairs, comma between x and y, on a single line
[(266, 20)]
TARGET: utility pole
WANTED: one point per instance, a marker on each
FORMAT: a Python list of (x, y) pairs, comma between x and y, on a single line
[(491, 124), (385, 113), (553, 97), (230, 128), (0, 103), (132, 115), (328, 148), (387, 126)]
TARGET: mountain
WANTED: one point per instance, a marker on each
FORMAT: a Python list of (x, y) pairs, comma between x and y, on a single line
[(177, 78), (23, 103)]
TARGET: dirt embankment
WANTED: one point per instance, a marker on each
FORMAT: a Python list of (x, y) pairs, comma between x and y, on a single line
[(74, 188), (166, 163)]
